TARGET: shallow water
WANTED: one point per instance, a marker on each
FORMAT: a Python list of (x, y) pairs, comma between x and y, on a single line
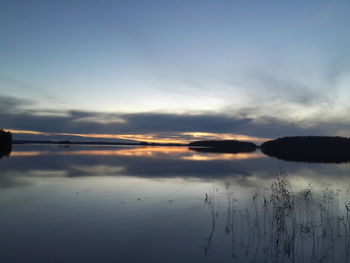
[(168, 204)]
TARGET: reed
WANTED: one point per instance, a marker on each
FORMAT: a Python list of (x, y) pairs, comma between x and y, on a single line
[(281, 225)]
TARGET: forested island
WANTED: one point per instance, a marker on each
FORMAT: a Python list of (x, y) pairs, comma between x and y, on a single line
[(325, 149), (5, 143), (322, 149), (222, 146)]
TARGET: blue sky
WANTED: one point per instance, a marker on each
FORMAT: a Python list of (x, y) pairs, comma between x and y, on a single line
[(284, 62)]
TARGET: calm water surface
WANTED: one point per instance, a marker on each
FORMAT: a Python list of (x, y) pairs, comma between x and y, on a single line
[(169, 204)]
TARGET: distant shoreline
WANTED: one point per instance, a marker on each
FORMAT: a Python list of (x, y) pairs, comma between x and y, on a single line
[(95, 143), (323, 149)]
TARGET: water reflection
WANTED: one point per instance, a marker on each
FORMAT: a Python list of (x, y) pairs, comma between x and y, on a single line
[(310, 155), (149, 152), (5, 150), (156, 162), (119, 151), (222, 150), (278, 224), (223, 156), (132, 161), (101, 204)]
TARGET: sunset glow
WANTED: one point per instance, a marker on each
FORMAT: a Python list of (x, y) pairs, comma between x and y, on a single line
[(167, 131), (154, 138), (147, 152), (223, 136), (223, 156)]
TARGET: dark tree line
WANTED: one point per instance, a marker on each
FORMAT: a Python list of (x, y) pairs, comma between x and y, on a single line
[(309, 148), (323, 149), (224, 146), (5, 143)]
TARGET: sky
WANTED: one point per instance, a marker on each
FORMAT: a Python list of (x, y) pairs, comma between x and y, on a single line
[(174, 71)]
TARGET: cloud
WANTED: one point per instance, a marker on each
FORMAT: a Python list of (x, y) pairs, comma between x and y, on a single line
[(154, 126), (9, 104)]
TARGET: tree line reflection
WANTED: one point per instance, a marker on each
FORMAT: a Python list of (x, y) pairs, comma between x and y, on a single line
[(181, 153)]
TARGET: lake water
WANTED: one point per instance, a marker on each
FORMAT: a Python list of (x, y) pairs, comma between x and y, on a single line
[(169, 204)]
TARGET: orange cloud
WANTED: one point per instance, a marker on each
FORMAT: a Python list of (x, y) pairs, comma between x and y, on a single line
[(182, 137), (224, 136), (29, 132)]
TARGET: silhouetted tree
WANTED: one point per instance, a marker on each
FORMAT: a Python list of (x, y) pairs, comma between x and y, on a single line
[(5, 143)]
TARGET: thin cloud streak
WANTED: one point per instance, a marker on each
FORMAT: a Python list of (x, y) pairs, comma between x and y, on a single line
[(154, 138)]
